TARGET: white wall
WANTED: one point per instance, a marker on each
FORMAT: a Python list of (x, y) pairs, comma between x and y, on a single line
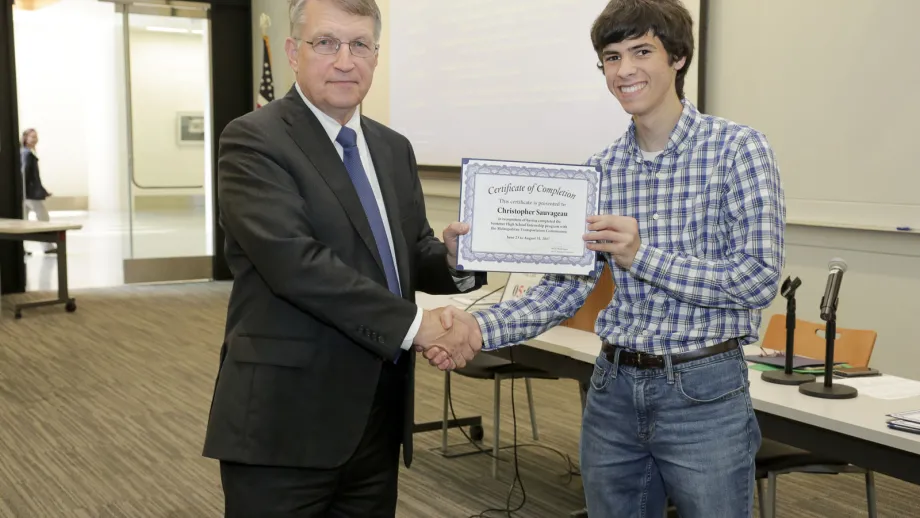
[(808, 74), (58, 95), (106, 122), (71, 88)]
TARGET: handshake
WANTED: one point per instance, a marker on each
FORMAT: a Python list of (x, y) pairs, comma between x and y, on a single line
[(448, 337)]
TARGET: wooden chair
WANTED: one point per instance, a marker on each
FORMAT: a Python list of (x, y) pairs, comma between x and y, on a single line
[(853, 346), (585, 318)]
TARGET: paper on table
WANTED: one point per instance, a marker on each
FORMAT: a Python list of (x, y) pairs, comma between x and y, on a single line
[(884, 387), (900, 423), (912, 416)]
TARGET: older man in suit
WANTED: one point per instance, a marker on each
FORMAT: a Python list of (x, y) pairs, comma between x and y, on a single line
[(328, 241)]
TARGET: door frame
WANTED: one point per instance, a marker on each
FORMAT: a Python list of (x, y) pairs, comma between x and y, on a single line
[(231, 64), (12, 265)]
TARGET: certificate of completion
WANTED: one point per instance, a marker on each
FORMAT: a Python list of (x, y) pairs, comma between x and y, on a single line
[(527, 217)]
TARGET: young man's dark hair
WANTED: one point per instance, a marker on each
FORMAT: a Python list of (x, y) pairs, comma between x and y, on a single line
[(628, 19)]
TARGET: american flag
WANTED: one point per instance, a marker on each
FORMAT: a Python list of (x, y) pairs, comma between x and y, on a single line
[(266, 86)]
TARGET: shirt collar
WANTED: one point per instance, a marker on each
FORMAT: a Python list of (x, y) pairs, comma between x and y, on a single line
[(332, 126), (681, 135)]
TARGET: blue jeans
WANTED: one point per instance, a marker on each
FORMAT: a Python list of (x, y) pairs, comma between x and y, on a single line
[(687, 432)]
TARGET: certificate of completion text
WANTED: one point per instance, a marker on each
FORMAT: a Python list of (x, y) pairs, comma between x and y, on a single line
[(527, 217)]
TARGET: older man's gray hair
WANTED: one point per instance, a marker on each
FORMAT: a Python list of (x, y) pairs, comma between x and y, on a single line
[(356, 7)]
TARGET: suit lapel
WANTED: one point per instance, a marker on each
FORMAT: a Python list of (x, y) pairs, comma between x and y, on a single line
[(308, 133), (383, 160)]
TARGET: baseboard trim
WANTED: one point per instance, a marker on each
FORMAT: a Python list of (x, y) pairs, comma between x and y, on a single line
[(167, 269), (62, 203), (168, 201)]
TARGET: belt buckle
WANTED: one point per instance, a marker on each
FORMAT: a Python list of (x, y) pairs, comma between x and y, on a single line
[(638, 359)]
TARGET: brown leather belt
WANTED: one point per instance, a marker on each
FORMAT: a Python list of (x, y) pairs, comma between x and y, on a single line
[(654, 361)]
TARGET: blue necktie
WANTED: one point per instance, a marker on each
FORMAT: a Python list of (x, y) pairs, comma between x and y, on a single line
[(349, 141)]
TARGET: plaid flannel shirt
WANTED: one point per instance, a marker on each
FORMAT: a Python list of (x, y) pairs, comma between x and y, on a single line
[(711, 215)]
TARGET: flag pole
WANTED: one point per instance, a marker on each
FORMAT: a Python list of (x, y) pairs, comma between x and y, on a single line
[(265, 22)]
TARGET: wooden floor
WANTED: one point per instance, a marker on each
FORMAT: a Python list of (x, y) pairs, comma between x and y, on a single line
[(103, 415)]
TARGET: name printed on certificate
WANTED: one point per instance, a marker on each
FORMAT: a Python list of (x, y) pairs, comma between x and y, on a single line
[(527, 217)]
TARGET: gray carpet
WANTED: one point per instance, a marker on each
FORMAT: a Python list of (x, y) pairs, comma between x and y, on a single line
[(103, 415)]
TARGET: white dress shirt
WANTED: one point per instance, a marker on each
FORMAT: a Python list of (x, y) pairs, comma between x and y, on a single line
[(333, 127)]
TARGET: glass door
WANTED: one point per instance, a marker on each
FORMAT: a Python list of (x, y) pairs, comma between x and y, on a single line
[(167, 86)]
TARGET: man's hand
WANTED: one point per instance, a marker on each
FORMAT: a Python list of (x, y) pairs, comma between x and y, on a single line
[(452, 318), (616, 235), (451, 239), (452, 344)]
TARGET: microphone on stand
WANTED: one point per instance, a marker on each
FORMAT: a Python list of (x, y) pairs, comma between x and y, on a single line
[(786, 376), (836, 268), (827, 390)]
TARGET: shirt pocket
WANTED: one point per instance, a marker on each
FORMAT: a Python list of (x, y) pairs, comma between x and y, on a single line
[(690, 220)]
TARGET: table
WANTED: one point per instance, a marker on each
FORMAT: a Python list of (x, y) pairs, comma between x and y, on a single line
[(46, 232), (852, 430)]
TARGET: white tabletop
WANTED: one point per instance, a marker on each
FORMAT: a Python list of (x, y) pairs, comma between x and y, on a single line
[(863, 417), (21, 226)]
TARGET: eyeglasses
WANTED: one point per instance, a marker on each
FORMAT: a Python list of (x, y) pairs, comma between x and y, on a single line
[(328, 45)]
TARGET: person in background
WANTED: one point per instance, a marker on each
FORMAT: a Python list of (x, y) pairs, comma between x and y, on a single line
[(35, 192), (691, 226)]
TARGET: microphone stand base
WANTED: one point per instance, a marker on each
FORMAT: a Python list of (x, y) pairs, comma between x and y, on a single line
[(781, 378), (817, 389)]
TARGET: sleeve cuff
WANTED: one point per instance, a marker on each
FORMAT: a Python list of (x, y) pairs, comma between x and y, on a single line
[(413, 331), (465, 281), (488, 326)]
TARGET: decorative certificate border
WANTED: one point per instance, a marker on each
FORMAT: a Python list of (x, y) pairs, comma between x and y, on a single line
[(473, 168)]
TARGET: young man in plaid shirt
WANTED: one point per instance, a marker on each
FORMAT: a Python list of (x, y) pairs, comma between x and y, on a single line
[(691, 225)]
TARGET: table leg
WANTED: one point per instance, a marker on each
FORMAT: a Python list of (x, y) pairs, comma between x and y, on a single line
[(60, 239), (63, 289)]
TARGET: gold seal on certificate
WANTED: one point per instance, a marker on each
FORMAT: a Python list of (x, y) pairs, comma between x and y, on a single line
[(527, 217)]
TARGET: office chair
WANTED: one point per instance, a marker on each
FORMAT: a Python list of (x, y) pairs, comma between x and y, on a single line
[(852, 346), (488, 367)]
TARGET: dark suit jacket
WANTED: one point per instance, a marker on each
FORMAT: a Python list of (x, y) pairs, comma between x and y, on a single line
[(310, 319), (34, 190)]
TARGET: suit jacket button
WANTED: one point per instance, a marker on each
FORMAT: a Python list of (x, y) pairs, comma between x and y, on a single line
[(380, 339)]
